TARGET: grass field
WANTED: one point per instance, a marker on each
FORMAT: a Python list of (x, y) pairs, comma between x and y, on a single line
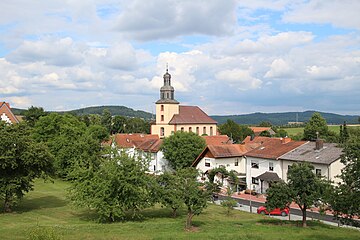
[(48, 208), (295, 131)]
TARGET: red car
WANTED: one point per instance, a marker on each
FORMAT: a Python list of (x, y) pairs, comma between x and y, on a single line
[(277, 211)]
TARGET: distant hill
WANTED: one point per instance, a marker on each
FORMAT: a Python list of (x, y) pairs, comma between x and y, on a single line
[(115, 110), (250, 119), (284, 118)]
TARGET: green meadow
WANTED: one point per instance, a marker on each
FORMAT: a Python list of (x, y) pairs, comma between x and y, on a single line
[(47, 211)]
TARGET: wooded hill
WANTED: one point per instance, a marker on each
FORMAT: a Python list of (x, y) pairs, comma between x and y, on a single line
[(249, 119), (285, 117)]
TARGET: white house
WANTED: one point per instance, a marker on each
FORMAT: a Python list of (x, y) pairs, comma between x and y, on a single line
[(263, 166), (325, 157)]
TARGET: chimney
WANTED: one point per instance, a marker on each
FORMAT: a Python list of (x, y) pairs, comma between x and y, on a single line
[(319, 144)]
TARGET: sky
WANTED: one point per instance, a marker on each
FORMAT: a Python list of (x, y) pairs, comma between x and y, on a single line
[(225, 56)]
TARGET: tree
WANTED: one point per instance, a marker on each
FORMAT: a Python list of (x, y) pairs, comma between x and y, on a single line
[(304, 187), (281, 133), (346, 200), (119, 123), (182, 148), (33, 114), (117, 187), (169, 192), (68, 140), (194, 196), (21, 161), (265, 134), (265, 124), (228, 203), (235, 131), (316, 125), (106, 119)]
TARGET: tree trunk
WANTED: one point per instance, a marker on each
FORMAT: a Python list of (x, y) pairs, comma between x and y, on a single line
[(189, 219), (304, 215), (7, 203), (174, 212)]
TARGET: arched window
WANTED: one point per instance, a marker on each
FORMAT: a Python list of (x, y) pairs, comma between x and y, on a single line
[(182, 129), (162, 107), (204, 130), (211, 131), (162, 118), (162, 131), (190, 129), (197, 130)]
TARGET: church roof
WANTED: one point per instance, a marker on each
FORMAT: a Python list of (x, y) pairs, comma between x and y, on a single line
[(133, 140), (6, 112), (191, 115)]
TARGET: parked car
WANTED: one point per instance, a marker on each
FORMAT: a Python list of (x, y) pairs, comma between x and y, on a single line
[(277, 211)]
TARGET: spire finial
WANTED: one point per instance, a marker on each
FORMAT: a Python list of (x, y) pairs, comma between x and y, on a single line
[(167, 68)]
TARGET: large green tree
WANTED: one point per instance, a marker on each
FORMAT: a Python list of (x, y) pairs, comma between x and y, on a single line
[(346, 200), (116, 188), (235, 131), (106, 119), (316, 125), (194, 196), (69, 140), (182, 148), (304, 187), (33, 114), (21, 161)]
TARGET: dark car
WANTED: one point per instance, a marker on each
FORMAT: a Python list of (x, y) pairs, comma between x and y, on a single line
[(277, 211)]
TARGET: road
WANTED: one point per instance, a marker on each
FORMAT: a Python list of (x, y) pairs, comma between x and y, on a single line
[(295, 213)]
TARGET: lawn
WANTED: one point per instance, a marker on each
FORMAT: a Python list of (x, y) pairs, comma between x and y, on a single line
[(47, 208)]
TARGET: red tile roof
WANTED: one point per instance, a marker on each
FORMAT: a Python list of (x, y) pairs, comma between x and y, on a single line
[(258, 130), (217, 140), (150, 145), (5, 109), (191, 115), (273, 148), (133, 140)]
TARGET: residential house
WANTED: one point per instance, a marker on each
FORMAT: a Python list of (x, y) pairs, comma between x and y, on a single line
[(258, 130), (171, 117), (6, 114), (263, 164), (325, 157)]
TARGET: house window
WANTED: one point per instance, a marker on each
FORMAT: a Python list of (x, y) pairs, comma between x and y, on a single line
[(254, 164), (162, 107), (207, 163), (197, 130), (154, 168), (162, 131), (190, 129), (211, 131), (236, 162), (271, 166), (318, 171), (182, 129), (204, 130), (162, 118), (255, 181)]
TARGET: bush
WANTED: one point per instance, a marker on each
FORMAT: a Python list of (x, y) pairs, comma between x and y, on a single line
[(43, 233)]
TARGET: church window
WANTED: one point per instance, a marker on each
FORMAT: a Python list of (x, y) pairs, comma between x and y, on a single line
[(197, 130), (204, 130), (162, 107), (162, 131), (211, 131), (162, 118)]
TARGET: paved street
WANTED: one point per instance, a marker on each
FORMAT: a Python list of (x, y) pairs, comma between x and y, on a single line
[(295, 214)]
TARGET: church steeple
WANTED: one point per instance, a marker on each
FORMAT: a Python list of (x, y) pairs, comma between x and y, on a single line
[(167, 91)]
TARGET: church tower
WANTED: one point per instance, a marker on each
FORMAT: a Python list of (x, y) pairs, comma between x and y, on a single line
[(166, 108)]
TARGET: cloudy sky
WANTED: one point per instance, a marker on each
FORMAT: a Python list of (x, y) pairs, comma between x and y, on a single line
[(226, 56)]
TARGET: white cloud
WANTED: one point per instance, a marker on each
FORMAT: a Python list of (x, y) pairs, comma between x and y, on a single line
[(168, 19), (339, 13), (239, 78), (279, 69)]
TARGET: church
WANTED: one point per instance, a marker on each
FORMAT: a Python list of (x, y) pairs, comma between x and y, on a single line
[(172, 117)]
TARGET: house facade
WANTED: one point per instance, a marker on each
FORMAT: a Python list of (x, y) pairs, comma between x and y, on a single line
[(325, 157), (6, 114), (172, 117)]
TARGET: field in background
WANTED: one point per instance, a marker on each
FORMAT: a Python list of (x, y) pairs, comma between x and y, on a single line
[(48, 209), (334, 128)]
